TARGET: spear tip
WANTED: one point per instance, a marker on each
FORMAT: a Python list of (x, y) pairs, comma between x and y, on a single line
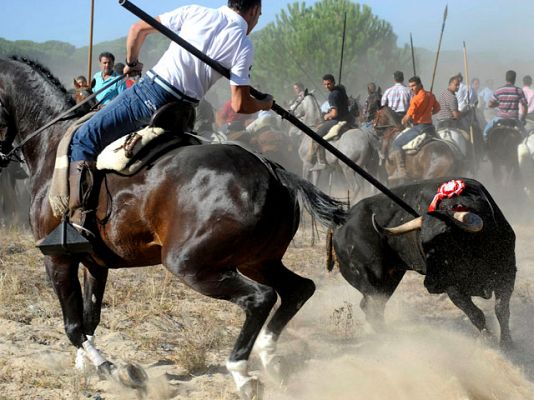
[(446, 12)]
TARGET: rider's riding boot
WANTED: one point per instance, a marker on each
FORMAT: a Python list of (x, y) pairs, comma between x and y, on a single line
[(400, 175), (82, 200), (321, 160)]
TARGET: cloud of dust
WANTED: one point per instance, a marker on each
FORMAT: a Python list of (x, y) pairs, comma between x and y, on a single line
[(410, 360), (418, 364)]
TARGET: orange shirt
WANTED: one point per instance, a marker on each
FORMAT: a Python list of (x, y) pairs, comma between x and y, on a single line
[(422, 106)]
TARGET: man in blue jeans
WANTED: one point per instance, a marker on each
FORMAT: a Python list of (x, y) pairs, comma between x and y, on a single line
[(221, 34)]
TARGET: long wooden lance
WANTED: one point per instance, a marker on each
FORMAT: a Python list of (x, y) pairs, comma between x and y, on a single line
[(276, 108), (439, 47), (342, 48), (468, 86), (413, 55), (90, 55)]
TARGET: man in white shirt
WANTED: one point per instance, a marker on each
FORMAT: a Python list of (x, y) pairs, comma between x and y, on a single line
[(221, 34), (398, 96)]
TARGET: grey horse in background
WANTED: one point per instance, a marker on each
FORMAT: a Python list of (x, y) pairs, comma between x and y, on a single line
[(360, 145)]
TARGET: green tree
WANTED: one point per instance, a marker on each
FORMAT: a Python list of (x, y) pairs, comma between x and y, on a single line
[(304, 43)]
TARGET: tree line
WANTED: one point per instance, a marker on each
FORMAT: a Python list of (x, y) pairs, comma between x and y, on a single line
[(302, 44)]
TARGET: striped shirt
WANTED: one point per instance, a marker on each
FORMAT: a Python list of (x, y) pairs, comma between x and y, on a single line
[(397, 98), (507, 99), (448, 103)]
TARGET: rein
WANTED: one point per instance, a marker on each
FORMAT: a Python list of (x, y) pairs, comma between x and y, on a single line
[(5, 159)]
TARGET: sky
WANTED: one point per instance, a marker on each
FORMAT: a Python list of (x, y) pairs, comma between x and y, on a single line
[(504, 26)]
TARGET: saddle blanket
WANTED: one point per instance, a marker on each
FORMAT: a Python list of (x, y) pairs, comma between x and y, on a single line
[(416, 143), (335, 131), (119, 156)]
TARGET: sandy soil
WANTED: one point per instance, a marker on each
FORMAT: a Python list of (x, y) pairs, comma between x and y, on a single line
[(429, 350)]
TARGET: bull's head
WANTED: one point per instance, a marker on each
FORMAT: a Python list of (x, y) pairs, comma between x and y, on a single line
[(465, 220), (462, 212)]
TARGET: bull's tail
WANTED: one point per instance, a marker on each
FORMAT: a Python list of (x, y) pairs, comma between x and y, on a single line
[(331, 258), (330, 212)]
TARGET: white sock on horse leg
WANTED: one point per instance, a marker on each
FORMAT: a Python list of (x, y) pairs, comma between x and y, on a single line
[(93, 354), (81, 355), (266, 347), (239, 371)]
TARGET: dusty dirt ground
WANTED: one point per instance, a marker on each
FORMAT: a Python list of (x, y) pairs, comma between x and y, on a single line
[(429, 350)]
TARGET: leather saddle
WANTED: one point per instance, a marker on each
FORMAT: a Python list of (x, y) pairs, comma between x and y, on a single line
[(168, 130)]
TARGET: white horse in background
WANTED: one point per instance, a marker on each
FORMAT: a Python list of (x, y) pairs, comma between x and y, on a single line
[(307, 110), (525, 155)]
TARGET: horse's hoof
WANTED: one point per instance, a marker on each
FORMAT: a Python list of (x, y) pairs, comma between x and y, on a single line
[(276, 370), (252, 390), (106, 370), (132, 376)]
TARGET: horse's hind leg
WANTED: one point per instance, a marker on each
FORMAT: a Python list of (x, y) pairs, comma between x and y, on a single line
[(294, 291), (254, 298)]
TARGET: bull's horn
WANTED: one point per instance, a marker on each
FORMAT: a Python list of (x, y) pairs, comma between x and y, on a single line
[(468, 221), (399, 230)]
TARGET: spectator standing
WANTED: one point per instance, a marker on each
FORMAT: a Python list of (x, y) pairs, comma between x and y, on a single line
[(106, 75)]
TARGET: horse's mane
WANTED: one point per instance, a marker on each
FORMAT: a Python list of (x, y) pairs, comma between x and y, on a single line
[(46, 74)]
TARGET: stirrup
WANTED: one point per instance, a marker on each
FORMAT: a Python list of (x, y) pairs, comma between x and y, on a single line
[(65, 239)]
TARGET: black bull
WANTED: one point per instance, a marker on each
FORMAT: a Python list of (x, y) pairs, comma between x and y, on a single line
[(470, 255)]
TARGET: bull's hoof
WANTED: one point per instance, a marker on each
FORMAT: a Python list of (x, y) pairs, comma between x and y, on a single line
[(487, 338), (133, 376), (252, 390), (507, 345)]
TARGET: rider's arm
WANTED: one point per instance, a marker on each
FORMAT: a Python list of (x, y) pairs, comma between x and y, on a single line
[(136, 37), (436, 107), (414, 103), (332, 114), (244, 103)]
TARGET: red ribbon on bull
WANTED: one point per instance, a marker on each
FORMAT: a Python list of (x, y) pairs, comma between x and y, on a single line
[(447, 190)]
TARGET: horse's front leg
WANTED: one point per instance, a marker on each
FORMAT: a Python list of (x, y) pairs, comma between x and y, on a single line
[(95, 278), (63, 272)]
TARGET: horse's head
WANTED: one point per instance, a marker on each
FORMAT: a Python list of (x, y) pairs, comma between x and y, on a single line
[(7, 131), (387, 122)]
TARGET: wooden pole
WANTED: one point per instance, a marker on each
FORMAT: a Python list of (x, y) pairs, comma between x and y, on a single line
[(342, 48), (413, 55), (468, 86), (90, 56), (439, 47)]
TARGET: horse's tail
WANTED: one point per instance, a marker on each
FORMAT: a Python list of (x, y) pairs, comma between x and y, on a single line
[(330, 212)]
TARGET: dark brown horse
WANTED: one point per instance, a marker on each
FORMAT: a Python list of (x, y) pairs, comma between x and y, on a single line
[(435, 158), (218, 217), (503, 140)]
